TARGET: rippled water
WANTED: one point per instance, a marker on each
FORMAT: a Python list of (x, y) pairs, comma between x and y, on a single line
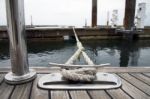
[(116, 52)]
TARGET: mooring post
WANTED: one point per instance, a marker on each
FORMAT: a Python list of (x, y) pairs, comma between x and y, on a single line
[(18, 52), (94, 13), (129, 14)]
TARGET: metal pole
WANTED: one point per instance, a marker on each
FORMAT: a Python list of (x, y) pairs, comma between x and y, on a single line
[(18, 51)]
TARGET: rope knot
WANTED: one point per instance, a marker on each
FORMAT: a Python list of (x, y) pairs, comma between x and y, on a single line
[(80, 75)]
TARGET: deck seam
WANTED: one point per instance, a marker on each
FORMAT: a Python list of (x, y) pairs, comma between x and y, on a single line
[(134, 85), (31, 90), (12, 92), (89, 94), (2, 78), (139, 79), (49, 94), (3, 81), (145, 75), (69, 94), (108, 94), (126, 93)]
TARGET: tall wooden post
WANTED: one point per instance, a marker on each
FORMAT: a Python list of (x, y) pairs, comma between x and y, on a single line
[(94, 13), (129, 14)]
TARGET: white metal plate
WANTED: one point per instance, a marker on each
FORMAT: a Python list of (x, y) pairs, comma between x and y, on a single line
[(56, 81)]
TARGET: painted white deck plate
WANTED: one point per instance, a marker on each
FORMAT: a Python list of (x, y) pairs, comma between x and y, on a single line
[(103, 81)]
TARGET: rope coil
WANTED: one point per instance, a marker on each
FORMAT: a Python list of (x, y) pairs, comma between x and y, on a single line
[(82, 75)]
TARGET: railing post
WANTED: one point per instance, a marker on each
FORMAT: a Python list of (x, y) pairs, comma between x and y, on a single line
[(18, 52)]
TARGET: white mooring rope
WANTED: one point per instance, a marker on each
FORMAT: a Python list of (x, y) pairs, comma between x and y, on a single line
[(81, 74)]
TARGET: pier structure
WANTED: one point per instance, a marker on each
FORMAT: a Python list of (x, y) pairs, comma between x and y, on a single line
[(135, 80), (130, 6)]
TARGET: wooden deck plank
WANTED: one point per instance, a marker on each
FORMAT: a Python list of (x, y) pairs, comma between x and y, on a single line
[(135, 82), (141, 77), (103, 69), (79, 94), (133, 91), (1, 78), (98, 94), (5, 90), (118, 94), (59, 94), (22, 91), (147, 74), (38, 93), (135, 85)]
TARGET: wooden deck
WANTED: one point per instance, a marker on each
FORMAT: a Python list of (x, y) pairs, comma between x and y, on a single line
[(135, 85)]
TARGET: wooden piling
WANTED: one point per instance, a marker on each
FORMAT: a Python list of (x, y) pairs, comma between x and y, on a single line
[(129, 14), (94, 13)]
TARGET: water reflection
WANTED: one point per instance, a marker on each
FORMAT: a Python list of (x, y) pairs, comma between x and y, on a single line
[(117, 52), (129, 51)]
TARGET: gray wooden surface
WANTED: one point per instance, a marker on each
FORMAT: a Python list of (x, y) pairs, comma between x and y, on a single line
[(135, 85)]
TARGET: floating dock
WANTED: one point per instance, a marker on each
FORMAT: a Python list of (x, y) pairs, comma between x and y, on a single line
[(135, 85), (50, 34)]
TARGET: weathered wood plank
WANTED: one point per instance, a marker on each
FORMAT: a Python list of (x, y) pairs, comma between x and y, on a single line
[(43, 70), (38, 93), (79, 94), (133, 91), (4, 70), (125, 69), (141, 77), (98, 94), (59, 94), (103, 69), (118, 94), (135, 85), (5, 90), (1, 78), (139, 84), (147, 74), (22, 91)]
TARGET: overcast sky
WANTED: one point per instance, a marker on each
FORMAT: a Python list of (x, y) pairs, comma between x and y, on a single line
[(69, 12)]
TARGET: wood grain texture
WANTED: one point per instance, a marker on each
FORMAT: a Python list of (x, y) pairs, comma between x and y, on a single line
[(135, 82), (22, 91), (141, 77), (5, 90), (118, 94), (38, 93), (134, 85), (1, 78), (59, 94), (133, 91), (147, 74), (103, 69), (79, 94), (98, 94)]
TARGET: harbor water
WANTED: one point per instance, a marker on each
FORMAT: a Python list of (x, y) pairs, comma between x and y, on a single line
[(121, 53)]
